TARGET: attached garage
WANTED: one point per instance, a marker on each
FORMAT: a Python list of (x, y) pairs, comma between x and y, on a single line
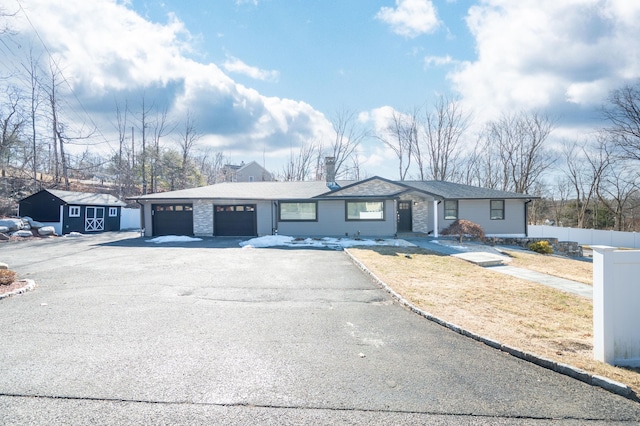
[(237, 220), (172, 219)]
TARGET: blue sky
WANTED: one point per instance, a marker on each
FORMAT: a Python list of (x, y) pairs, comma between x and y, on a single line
[(265, 76)]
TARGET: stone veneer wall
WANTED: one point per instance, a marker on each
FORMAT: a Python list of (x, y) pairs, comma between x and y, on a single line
[(419, 213), (203, 218), (374, 187), (566, 248)]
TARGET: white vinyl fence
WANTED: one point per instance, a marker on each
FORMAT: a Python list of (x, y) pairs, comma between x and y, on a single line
[(129, 219), (616, 318), (590, 237)]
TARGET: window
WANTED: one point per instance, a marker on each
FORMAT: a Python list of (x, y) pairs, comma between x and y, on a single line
[(497, 209), (113, 211), (451, 209), (74, 211), (299, 211), (365, 210)]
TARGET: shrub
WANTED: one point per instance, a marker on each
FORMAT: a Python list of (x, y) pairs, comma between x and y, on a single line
[(463, 227), (7, 277), (542, 247)]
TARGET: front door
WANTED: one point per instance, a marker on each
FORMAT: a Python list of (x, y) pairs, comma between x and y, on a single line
[(404, 216), (94, 219)]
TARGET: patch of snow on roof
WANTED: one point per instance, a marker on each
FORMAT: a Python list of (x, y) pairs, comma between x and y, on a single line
[(283, 240), (173, 239)]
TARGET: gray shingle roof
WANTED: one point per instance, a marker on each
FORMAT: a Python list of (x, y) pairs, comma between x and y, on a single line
[(246, 191), (87, 199), (460, 191), (306, 190)]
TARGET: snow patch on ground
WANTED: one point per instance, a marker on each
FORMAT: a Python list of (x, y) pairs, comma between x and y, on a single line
[(173, 239), (452, 245), (337, 243)]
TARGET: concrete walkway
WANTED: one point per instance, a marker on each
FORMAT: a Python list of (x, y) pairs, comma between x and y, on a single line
[(452, 248)]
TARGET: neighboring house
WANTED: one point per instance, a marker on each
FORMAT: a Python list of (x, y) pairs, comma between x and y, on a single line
[(251, 172), (374, 207), (70, 211)]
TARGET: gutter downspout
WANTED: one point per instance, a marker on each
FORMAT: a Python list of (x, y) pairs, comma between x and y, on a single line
[(141, 218), (435, 218), (526, 217), (274, 215)]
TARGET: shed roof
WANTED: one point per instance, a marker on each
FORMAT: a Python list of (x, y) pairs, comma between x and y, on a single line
[(86, 198)]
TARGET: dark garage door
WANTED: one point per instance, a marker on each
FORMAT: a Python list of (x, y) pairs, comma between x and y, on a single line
[(172, 219), (235, 220)]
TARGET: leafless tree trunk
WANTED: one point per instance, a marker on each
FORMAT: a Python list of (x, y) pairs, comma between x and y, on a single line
[(444, 126), (210, 164), (188, 138), (348, 134), (11, 124), (122, 127), (298, 167), (623, 114), (399, 137), (583, 173), (519, 140), (34, 88), (57, 141), (159, 131)]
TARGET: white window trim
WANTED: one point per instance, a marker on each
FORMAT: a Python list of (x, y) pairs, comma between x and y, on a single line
[(74, 211), (113, 211)]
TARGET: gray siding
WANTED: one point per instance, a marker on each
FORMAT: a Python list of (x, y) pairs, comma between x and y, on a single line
[(478, 211), (332, 223), (266, 217)]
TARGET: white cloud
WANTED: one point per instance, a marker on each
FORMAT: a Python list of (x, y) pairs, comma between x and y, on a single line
[(235, 65), (436, 61), (108, 51), (548, 54), (410, 18)]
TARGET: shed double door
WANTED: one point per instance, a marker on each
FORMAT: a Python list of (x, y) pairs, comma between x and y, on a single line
[(94, 219)]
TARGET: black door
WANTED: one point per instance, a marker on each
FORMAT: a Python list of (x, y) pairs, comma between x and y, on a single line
[(172, 219), (235, 220), (404, 216)]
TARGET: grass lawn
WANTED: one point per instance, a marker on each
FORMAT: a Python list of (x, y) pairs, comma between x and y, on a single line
[(519, 313)]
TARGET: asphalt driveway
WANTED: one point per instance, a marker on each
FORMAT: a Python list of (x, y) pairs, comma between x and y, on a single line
[(119, 330)]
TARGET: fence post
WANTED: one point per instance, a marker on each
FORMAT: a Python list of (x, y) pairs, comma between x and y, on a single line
[(616, 317)]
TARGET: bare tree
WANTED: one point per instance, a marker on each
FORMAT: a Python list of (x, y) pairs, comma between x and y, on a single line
[(11, 124), (618, 187), (583, 171), (298, 168), (188, 137), (159, 129), (122, 127), (481, 167), (623, 114), (519, 141), (399, 136), (348, 134), (437, 154), (34, 98), (58, 141), (210, 165)]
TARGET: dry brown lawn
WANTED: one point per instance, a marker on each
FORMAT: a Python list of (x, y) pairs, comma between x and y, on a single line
[(570, 269), (518, 313)]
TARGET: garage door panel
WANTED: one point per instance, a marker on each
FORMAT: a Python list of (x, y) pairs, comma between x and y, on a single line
[(172, 219), (235, 220)]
